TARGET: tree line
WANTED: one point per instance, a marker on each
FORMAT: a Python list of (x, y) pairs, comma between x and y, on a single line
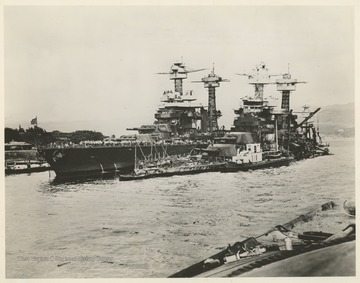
[(38, 136)]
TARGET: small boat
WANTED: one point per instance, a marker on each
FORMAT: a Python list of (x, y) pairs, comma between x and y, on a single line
[(349, 207), (253, 158), (18, 167), (278, 243)]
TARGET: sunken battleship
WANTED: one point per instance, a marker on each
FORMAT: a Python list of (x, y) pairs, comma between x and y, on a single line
[(183, 125), (277, 130)]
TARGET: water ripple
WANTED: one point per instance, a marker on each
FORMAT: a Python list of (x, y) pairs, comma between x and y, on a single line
[(152, 228)]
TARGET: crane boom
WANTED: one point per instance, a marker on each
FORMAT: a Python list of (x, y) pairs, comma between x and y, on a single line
[(308, 117)]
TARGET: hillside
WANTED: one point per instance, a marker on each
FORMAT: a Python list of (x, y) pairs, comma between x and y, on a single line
[(337, 120)]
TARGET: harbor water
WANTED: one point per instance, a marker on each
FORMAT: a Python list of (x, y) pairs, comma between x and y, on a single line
[(105, 228)]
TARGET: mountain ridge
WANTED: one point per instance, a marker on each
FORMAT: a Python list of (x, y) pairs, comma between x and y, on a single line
[(337, 119)]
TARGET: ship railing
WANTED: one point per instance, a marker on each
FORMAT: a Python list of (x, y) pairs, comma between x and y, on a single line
[(127, 144)]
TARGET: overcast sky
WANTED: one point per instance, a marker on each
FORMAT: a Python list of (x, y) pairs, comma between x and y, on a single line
[(94, 67)]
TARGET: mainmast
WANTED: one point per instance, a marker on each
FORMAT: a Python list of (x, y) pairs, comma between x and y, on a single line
[(259, 78), (286, 84)]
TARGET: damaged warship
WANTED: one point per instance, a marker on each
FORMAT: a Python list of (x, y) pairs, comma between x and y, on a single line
[(265, 136), (180, 126), (183, 125)]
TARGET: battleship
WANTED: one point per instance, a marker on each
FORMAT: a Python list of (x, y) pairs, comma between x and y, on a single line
[(277, 130), (182, 125), (264, 135)]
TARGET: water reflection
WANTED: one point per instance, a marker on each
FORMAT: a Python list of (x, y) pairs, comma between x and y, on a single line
[(74, 184)]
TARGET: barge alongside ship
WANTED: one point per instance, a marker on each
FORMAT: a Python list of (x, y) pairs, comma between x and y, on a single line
[(167, 168)]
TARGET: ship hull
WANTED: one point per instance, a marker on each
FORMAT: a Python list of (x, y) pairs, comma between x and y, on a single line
[(94, 161)]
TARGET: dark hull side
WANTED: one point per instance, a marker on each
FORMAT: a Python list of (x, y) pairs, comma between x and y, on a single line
[(93, 161), (233, 167)]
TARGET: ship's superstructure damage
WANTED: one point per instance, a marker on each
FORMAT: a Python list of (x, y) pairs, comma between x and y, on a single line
[(182, 124)]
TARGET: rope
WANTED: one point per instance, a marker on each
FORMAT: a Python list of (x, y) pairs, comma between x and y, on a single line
[(164, 149), (142, 153), (157, 152)]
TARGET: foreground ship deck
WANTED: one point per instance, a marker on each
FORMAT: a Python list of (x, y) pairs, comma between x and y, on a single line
[(304, 254)]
